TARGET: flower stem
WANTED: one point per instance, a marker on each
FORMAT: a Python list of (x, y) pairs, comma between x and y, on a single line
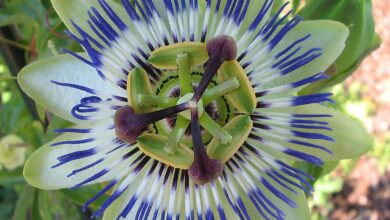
[(15, 44)]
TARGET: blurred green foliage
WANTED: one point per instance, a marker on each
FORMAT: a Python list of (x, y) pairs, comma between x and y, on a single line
[(358, 17)]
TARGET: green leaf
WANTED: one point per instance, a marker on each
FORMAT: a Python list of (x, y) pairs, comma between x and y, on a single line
[(358, 17), (10, 178), (35, 207), (10, 19), (328, 35), (44, 205), (24, 203), (8, 200)]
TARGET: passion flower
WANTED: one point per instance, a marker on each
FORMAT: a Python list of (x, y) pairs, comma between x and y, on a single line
[(12, 152), (187, 109)]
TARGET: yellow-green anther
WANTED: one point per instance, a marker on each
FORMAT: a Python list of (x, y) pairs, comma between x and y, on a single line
[(176, 134), (243, 98), (220, 90), (153, 146), (156, 101), (239, 128), (165, 57), (138, 83), (215, 129), (183, 64)]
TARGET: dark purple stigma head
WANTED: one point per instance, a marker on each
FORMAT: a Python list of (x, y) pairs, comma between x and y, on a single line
[(222, 46)]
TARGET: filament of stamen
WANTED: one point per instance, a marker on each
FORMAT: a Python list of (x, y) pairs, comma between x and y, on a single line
[(156, 101), (220, 90), (215, 129), (176, 134)]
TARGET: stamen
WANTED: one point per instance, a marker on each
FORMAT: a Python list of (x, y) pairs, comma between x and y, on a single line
[(183, 65), (129, 125), (203, 170), (176, 134), (220, 90), (215, 129), (156, 101), (220, 49)]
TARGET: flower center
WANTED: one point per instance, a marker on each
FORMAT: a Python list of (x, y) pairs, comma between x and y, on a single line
[(185, 101), (218, 109)]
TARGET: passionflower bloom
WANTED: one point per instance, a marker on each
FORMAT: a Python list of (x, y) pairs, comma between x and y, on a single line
[(12, 152), (188, 109)]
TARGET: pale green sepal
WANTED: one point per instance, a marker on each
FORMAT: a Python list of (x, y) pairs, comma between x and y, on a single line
[(351, 138), (77, 11), (35, 80), (328, 35), (39, 173), (358, 17)]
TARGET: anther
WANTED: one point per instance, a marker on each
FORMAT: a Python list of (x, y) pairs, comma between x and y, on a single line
[(204, 169), (129, 125), (222, 48)]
